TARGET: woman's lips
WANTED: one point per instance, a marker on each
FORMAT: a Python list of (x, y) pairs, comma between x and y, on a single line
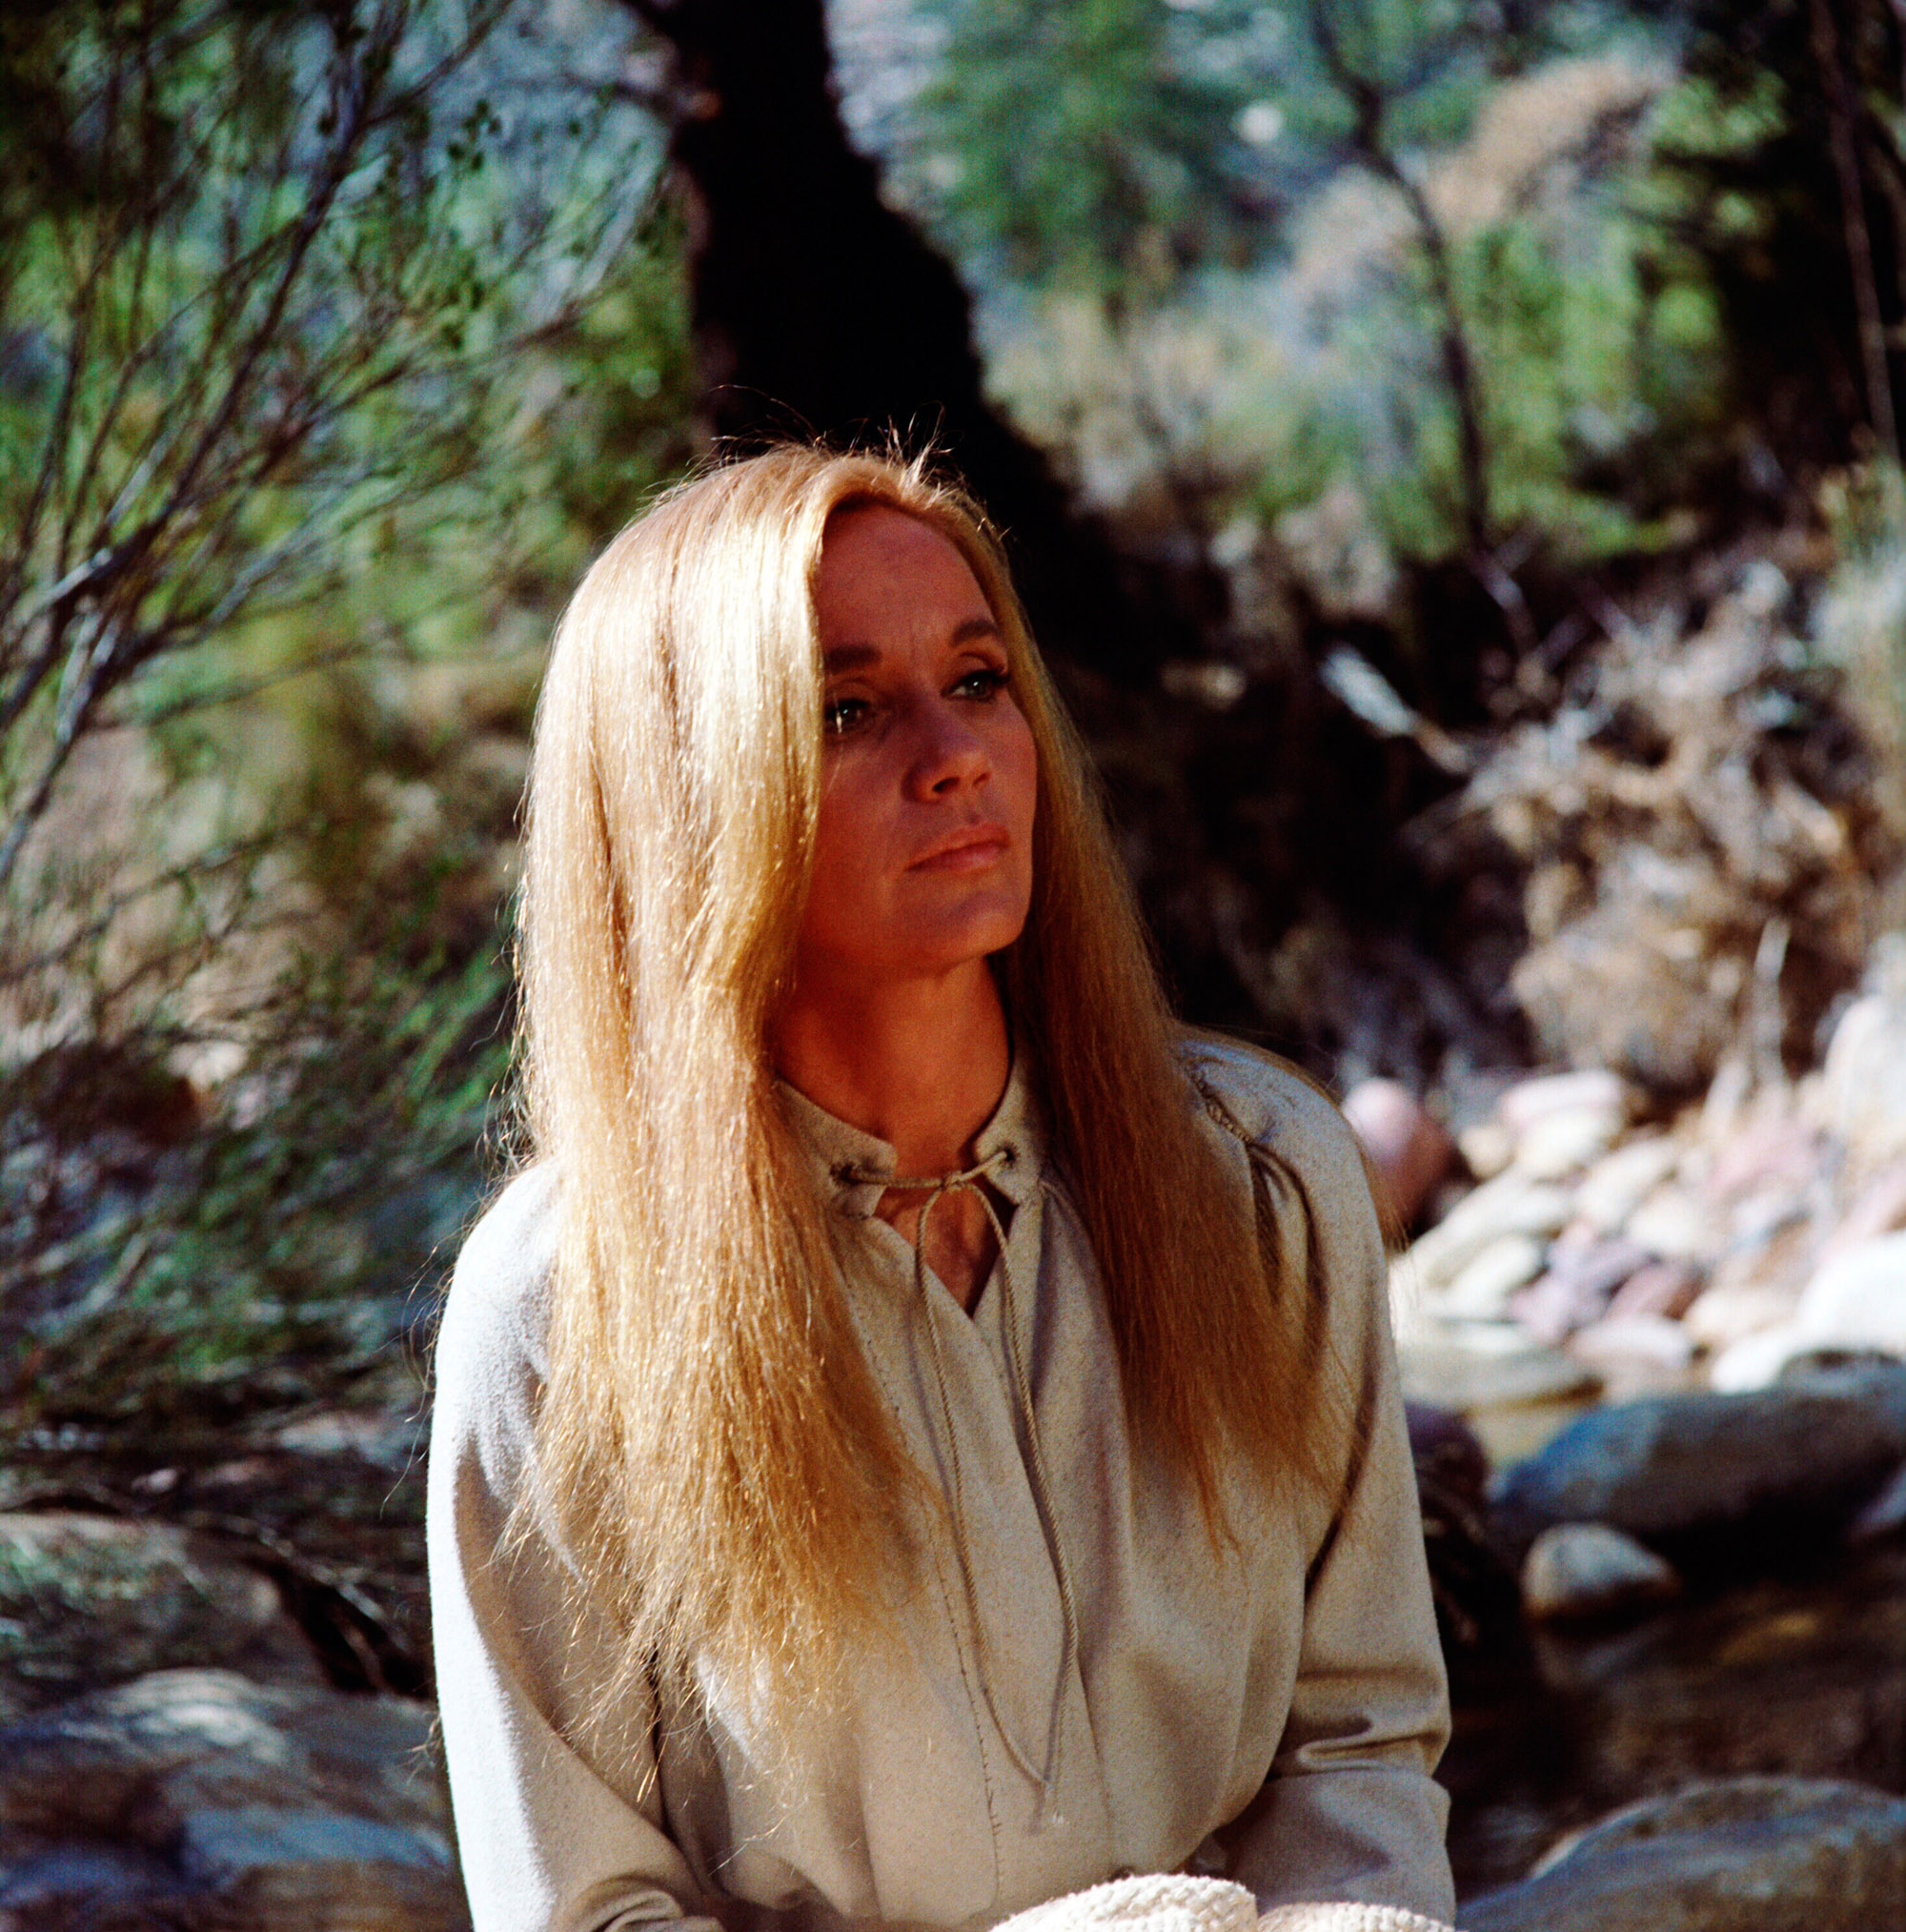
[(968, 849)]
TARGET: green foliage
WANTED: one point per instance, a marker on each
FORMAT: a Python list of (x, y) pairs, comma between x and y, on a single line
[(283, 1252), (1600, 388), (279, 282), (332, 342), (1117, 145), (1096, 142), (1782, 182)]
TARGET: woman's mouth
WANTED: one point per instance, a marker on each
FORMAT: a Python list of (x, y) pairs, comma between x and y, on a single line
[(971, 848)]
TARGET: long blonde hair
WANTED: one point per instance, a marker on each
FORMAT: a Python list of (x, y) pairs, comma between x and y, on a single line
[(727, 1481)]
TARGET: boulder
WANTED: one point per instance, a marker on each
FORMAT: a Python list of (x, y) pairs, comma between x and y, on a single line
[(1862, 1095), (85, 1597), (1735, 1855), (1710, 1477), (1658, 1290), (1620, 1182), (1482, 1288), (195, 1797), (1407, 1146), (1507, 1206), (1855, 1304), (1588, 1569)]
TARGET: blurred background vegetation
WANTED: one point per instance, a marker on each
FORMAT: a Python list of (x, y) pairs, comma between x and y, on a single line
[(1377, 394)]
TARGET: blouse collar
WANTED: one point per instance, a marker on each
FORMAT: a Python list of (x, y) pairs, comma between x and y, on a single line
[(851, 1167)]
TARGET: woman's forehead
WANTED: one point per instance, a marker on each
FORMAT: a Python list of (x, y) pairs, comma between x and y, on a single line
[(881, 564)]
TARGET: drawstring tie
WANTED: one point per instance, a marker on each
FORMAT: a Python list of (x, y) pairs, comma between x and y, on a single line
[(936, 1187)]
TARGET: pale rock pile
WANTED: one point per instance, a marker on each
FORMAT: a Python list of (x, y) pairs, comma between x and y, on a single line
[(1703, 1314), (1601, 1255)]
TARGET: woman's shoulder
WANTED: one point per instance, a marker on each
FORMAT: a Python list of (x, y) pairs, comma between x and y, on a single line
[(499, 1299), (1274, 1106)]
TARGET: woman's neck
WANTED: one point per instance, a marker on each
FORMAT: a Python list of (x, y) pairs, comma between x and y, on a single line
[(919, 1064)]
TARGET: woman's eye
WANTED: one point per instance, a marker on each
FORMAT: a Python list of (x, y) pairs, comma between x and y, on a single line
[(839, 716), (984, 681)]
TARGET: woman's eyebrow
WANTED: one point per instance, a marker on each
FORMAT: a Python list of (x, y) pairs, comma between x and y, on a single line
[(841, 658), (849, 657)]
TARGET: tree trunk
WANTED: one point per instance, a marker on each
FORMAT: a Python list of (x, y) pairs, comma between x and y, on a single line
[(819, 312)]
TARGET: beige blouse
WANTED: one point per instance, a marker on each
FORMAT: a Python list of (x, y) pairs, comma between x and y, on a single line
[(1084, 1689)]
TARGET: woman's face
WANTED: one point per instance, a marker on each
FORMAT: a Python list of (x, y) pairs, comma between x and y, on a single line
[(924, 853)]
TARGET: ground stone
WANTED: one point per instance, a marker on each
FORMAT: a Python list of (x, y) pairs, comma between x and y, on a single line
[(1863, 1083), (199, 1796), (1408, 1144), (1507, 1206), (1714, 1476), (1855, 1303), (1738, 1855), (82, 1592), (1586, 1570)]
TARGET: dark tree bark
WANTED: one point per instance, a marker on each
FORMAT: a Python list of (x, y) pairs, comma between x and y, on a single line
[(818, 311)]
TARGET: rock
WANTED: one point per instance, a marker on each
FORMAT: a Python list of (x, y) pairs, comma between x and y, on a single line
[(1482, 1288), (1508, 1205), (1862, 1096), (392, 1441), (1635, 1354), (1594, 1090), (1562, 1144), (1724, 1311), (1674, 1225), (88, 1884), (1620, 1182), (1581, 1276), (1473, 1366), (197, 1798), (1803, 1675), (1771, 1153), (1885, 1514), (1487, 1147), (1513, 1393), (85, 1597), (1878, 1208), (1408, 1144), (1337, 548), (1658, 1290), (1709, 1477), (1857, 1300), (1855, 1304), (1735, 1855), (1443, 1445), (1586, 1569), (1477, 1604)]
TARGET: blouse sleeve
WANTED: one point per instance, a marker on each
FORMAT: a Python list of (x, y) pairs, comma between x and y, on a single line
[(1349, 1810), (546, 1843)]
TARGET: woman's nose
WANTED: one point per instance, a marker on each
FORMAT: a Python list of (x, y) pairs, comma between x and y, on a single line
[(950, 754)]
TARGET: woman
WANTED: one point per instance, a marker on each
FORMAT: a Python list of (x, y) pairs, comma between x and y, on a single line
[(924, 1438)]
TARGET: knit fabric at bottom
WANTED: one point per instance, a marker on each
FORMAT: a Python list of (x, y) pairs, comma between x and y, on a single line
[(1171, 1901)]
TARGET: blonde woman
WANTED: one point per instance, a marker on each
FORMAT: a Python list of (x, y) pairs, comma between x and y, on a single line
[(922, 1438)]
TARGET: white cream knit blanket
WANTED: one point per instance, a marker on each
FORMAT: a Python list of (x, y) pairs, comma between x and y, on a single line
[(1169, 1901)]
